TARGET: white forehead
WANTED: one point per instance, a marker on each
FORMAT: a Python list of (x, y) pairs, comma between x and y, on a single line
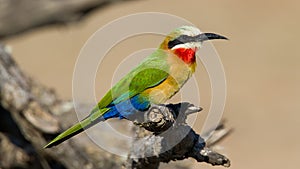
[(189, 30)]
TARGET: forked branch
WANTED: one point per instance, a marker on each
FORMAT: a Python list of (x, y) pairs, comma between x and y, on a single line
[(166, 137)]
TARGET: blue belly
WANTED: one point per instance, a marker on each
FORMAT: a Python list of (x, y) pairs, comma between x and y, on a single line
[(128, 108)]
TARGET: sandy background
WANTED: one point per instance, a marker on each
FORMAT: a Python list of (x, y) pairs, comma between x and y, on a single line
[(261, 63)]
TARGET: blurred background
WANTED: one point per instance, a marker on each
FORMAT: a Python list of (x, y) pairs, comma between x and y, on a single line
[(261, 62)]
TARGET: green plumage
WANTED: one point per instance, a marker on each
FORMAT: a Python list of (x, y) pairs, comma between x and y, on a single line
[(151, 72)]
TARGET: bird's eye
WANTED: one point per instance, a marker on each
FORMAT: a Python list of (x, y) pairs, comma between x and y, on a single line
[(173, 43), (180, 40)]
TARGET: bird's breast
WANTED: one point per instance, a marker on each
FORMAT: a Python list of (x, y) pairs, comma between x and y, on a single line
[(179, 73)]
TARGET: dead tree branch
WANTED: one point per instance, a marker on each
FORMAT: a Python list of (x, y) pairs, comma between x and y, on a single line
[(32, 115), (19, 16), (170, 139)]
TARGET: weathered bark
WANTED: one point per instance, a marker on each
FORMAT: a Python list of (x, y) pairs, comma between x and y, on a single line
[(18, 16), (167, 125), (34, 114)]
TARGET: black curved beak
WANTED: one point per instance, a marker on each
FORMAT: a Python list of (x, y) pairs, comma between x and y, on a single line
[(199, 38), (208, 36)]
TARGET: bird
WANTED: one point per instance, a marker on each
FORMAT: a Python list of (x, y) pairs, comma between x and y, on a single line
[(154, 81)]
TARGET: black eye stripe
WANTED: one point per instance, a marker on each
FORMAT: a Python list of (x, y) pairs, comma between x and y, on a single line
[(198, 38), (180, 40)]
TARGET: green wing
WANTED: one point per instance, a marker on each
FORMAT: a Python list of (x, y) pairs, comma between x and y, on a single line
[(130, 87), (148, 74)]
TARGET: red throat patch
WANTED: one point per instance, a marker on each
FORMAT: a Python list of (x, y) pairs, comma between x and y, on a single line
[(187, 55)]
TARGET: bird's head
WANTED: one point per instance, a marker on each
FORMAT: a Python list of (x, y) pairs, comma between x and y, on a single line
[(185, 41)]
